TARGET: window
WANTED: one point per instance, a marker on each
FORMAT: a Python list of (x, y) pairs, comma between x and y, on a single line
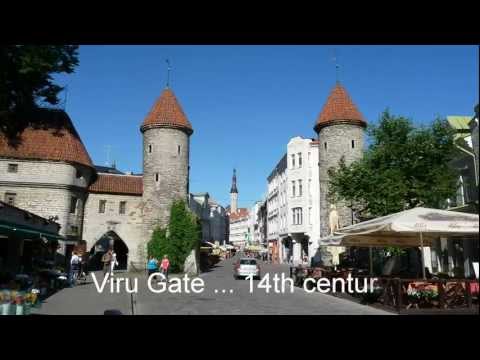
[(156, 177), (78, 174), (297, 216), (73, 230), (325, 145), (299, 187), (293, 161), (73, 205), (293, 188), (122, 208), (149, 148), (353, 144), (10, 198), (299, 160), (12, 168), (101, 206), (309, 159), (178, 149)]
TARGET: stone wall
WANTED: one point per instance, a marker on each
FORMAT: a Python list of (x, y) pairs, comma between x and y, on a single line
[(339, 143), (172, 168), (127, 226), (46, 188)]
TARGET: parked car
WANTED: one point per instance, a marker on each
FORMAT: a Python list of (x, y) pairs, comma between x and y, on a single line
[(245, 267)]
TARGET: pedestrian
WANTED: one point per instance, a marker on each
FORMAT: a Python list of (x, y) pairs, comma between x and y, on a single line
[(107, 260), (165, 265), (152, 266), (74, 268), (113, 263)]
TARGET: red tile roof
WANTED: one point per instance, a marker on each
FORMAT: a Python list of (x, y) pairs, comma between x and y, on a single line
[(167, 112), (49, 135), (339, 108), (117, 184), (241, 213)]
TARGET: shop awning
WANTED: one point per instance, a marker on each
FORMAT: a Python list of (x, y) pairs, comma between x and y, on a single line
[(403, 229), (25, 232)]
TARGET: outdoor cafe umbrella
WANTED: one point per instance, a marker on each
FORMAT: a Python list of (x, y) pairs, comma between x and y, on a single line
[(410, 228)]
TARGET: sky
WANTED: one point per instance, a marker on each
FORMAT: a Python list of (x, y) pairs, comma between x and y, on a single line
[(246, 102)]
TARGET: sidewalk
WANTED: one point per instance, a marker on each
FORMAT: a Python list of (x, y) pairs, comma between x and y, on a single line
[(84, 299)]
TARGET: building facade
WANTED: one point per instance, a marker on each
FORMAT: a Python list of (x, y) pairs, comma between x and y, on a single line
[(298, 206), (48, 172)]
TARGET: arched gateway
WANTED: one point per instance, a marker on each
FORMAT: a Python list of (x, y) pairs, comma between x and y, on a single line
[(109, 240)]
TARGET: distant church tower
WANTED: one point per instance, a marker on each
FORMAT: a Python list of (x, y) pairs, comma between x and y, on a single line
[(340, 129), (234, 194), (166, 147)]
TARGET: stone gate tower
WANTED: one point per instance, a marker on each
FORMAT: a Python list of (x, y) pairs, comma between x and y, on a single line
[(166, 146), (340, 129)]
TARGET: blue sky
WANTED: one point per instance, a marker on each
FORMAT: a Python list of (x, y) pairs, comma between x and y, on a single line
[(246, 102)]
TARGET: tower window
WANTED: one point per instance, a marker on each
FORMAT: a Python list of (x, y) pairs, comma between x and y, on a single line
[(178, 149), (12, 168), (149, 148), (293, 161), (73, 205), (325, 145), (299, 187), (293, 188), (353, 144), (299, 160), (156, 177)]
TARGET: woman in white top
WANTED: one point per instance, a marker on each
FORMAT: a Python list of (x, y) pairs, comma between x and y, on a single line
[(113, 263)]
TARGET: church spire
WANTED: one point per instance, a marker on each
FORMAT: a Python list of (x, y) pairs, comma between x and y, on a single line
[(234, 183)]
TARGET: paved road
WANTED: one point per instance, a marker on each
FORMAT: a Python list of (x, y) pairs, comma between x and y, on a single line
[(242, 301), (237, 299)]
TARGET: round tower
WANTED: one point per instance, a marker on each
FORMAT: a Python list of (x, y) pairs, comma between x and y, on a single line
[(340, 128), (166, 150)]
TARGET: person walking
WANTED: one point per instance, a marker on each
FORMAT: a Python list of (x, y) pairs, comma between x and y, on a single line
[(75, 262), (165, 265), (152, 266), (107, 261), (114, 262)]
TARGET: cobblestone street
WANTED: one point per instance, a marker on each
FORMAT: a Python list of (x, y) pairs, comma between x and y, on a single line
[(84, 299)]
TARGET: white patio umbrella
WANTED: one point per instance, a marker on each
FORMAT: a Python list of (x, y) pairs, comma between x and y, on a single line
[(409, 228)]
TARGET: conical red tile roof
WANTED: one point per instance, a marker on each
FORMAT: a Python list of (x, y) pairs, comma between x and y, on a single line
[(49, 135), (339, 108), (167, 112)]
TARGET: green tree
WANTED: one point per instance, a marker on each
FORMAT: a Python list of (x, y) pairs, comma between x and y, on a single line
[(158, 245), (26, 79), (404, 167), (183, 235)]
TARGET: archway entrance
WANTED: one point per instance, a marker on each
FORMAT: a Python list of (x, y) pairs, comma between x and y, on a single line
[(109, 240)]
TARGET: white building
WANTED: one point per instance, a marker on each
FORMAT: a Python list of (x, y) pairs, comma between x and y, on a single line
[(292, 203), (240, 228)]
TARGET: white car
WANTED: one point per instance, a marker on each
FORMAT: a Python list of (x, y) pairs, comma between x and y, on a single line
[(245, 267)]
